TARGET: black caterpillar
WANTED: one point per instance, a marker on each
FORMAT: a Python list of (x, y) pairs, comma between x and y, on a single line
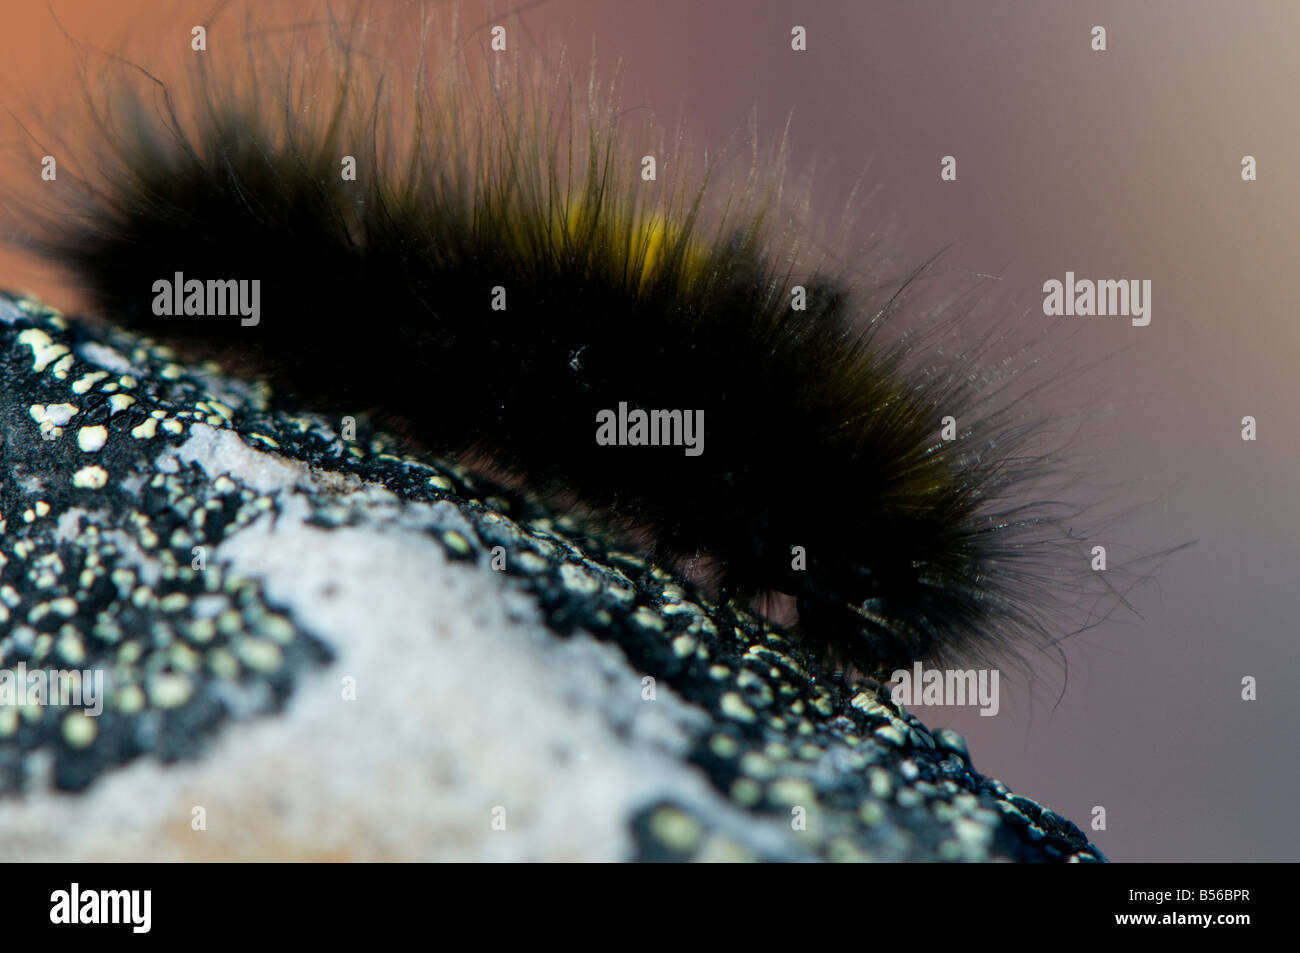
[(501, 275)]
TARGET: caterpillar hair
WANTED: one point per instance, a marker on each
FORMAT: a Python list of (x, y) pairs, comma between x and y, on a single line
[(510, 268)]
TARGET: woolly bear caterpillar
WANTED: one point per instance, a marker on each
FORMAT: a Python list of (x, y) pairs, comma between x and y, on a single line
[(491, 260)]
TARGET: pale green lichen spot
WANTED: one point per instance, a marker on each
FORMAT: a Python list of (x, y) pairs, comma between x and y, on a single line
[(90, 478)]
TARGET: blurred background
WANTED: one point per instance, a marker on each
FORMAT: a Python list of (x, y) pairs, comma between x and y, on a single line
[(1117, 164)]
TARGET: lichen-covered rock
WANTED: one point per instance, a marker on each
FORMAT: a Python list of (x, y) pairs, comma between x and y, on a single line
[(319, 648)]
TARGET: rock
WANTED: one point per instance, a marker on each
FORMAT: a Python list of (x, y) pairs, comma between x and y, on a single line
[(319, 648)]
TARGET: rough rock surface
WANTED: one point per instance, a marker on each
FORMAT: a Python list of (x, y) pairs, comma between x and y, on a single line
[(308, 653)]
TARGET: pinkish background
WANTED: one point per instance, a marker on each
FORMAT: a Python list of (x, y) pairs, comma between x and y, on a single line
[(1117, 164)]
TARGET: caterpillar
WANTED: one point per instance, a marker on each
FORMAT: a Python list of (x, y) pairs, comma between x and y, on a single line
[(510, 268)]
